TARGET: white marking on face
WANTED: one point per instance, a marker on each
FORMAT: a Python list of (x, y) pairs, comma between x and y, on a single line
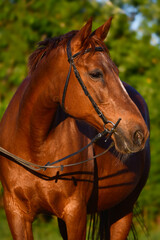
[(105, 61)]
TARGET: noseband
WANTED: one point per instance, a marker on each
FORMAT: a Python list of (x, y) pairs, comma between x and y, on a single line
[(72, 64)]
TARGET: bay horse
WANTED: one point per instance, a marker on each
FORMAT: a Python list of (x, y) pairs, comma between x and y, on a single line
[(36, 129)]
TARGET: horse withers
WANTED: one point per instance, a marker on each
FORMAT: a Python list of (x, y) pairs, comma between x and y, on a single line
[(33, 129)]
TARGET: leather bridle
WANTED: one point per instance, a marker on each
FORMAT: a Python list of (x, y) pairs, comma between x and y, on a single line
[(72, 64)]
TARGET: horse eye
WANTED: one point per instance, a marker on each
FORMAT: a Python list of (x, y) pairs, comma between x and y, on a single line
[(96, 74)]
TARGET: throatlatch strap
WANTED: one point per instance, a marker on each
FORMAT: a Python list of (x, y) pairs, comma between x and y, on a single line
[(66, 86)]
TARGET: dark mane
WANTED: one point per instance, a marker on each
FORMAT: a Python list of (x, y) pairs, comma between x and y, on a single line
[(44, 47)]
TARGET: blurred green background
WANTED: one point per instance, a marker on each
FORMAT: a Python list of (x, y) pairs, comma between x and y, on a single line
[(134, 44)]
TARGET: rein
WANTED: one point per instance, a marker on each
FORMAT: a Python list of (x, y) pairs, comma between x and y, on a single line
[(36, 167)]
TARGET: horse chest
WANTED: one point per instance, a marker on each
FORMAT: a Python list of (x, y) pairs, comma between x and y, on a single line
[(117, 179)]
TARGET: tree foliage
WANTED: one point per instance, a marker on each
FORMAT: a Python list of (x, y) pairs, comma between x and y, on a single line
[(136, 53)]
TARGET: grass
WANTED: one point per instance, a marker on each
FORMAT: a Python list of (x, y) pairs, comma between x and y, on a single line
[(48, 230), (4, 229)]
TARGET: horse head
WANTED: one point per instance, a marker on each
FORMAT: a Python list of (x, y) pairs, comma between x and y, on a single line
[(100, 76), (84, 53)]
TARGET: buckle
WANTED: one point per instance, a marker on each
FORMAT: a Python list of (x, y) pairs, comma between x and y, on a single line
[(110, 132)]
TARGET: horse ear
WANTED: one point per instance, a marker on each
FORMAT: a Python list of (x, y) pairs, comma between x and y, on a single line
[(102, 31), (83, 34)]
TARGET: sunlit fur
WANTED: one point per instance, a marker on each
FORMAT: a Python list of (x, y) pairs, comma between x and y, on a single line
[(35, 128)]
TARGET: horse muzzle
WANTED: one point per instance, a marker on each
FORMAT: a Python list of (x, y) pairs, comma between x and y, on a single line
[(130, 143)]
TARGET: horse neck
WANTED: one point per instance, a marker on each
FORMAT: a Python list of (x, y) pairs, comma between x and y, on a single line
[(37, 109)]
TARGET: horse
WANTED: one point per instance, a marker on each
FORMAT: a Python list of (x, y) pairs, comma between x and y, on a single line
[(36, 129)]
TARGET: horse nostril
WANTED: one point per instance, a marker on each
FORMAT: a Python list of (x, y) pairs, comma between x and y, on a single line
[(138, 138)]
